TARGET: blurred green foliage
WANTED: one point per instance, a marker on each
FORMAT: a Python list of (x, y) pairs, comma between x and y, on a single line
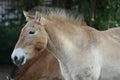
[(100, 14)]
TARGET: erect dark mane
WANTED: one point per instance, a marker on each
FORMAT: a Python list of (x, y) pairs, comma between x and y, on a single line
[(57, 13)]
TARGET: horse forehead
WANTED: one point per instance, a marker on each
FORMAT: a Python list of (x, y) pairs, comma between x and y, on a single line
[(30, 23)]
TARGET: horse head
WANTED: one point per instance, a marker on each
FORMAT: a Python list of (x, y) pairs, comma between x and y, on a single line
[(33, 39)]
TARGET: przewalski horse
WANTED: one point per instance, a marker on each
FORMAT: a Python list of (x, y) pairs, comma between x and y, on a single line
[(83, 53)]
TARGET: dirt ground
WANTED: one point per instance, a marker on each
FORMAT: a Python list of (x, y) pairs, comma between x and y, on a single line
[(4, 71)]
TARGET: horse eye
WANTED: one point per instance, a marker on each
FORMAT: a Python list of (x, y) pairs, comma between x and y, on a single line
[(31, 32)]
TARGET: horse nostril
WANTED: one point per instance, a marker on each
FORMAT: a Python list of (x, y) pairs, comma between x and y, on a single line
[(15, 58), (18, 60)]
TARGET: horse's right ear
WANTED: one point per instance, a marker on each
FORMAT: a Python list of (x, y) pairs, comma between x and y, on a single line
[(27, 16)]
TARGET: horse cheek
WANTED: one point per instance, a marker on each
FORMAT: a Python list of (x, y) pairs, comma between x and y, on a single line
[(39, 46)]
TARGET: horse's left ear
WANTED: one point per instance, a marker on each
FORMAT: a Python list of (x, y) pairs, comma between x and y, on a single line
[(39, 18), (27, 16)]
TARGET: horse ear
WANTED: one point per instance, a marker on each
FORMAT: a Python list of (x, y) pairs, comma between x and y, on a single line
[(27, 16), (39, 18)]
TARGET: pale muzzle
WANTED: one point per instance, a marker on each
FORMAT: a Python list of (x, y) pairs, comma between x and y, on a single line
[(18, 57)]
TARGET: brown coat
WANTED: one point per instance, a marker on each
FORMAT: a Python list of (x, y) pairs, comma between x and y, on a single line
[(44, 67)]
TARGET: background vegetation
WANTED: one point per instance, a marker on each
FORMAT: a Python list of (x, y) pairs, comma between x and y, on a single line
[(100, 14)]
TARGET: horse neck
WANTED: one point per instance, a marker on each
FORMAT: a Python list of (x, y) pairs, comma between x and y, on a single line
[(72, 37)]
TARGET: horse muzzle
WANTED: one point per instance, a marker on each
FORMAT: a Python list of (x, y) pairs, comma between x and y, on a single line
[(18, 57), (17, 61)]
